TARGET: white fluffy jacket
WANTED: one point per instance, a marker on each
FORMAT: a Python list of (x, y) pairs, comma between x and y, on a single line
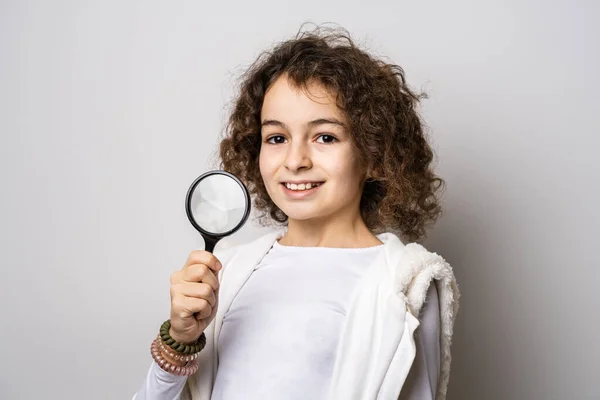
[(377, 347)]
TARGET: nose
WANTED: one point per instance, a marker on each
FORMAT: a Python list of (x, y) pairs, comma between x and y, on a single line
[(298, 157)]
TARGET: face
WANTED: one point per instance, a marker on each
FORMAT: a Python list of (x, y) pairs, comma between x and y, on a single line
[(307, 160)]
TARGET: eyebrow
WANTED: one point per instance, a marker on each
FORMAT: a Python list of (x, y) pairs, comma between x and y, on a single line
[(311, 124)]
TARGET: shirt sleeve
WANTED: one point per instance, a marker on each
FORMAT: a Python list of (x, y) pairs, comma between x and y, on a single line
[(160, 385), (422, 380)]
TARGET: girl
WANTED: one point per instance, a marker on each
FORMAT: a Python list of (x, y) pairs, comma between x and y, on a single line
[(332, 304)]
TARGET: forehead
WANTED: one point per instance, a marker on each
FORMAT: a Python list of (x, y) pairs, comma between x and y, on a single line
[(285, 101)]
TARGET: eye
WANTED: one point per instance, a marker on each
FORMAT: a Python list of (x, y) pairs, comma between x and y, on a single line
[(326, 138), (277, 139)]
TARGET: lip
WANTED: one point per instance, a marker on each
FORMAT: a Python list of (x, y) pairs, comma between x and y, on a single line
[(295, 194), (298, 182)]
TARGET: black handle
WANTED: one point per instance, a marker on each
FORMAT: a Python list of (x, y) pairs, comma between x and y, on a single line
[(210, 242)]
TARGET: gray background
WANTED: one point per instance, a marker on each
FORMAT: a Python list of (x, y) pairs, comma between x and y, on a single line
[(110, 109)]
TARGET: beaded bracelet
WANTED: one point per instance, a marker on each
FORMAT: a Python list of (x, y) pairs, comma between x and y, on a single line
[(165, 365), (180, 347), (175, 356)]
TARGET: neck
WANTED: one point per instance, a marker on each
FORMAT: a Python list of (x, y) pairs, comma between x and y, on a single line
[(349, 232)]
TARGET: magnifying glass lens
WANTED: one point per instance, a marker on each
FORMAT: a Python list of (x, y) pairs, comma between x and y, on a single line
[(218, 204)]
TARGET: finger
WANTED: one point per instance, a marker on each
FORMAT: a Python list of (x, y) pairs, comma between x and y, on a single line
[(205, 312), (197, 290), (201, 273), (201, 316), (212, 314), (203, 257), (184, 307), (176, 277)]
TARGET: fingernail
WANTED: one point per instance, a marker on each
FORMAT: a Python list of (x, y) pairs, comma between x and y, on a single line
[(219, 266)]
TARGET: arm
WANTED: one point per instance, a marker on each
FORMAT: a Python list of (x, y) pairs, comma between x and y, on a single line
[(422, 380), (160, 385), (194, 295)]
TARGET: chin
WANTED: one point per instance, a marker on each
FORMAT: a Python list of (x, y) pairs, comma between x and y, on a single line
[(302, 215)]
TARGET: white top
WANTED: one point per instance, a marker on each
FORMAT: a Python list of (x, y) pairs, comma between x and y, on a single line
[(279, 337)]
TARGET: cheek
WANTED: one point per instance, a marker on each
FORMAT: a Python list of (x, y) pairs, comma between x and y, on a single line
[(345, 169), (265, 164)]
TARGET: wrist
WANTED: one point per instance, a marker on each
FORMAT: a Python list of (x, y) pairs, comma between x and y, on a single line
[(180, 339)]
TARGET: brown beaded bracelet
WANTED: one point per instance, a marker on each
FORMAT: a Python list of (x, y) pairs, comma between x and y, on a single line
[(180, 347), (165, 365), (174, 355)]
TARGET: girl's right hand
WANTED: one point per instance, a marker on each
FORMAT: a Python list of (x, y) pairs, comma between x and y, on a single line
[(194, 296)]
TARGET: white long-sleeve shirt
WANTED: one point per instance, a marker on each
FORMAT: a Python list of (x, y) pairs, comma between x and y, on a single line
[(279, 337)]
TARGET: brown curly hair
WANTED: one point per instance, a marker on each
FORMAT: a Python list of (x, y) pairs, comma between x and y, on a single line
[(402, 193)]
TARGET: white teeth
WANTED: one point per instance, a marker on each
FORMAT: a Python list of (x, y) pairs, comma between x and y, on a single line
[(301, 186)]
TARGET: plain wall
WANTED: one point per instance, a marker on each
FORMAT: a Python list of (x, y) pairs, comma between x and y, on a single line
[(110, 109)]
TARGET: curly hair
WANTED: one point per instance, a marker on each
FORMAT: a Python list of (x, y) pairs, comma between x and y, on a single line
[(401, 193)]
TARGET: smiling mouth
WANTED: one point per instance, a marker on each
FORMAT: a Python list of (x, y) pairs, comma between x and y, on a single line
[(301, 187)]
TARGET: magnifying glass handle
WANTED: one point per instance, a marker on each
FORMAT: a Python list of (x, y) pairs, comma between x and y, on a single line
[(209, 243)]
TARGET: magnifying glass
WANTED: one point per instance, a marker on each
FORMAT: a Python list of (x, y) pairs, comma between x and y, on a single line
[(217, 204)]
